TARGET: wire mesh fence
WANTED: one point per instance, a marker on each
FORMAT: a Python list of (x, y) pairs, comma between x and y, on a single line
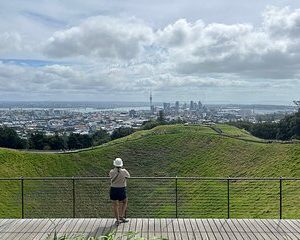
[(165, 197), (10, 201)]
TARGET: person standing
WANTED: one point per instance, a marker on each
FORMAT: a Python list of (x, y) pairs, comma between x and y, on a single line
[(118, 176)]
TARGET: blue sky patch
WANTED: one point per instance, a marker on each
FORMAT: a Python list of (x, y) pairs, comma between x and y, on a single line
[(31, 62)]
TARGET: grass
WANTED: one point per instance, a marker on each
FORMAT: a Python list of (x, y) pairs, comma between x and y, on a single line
[(173, 150)]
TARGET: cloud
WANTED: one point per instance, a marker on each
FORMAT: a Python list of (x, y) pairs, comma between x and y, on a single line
[(10, 41), (179, 33), (119, 55), (271, 51), (282, 22), (104, 37)]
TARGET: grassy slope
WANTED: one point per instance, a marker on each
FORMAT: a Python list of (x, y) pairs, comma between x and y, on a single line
[(170, 151)]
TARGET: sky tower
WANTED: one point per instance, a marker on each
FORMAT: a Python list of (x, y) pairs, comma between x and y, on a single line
[(150, 99), (151, 104)]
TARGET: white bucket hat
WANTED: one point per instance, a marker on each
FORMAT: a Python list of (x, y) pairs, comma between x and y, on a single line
[(118, 162)]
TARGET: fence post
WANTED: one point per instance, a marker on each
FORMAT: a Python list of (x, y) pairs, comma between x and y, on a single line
[(22, 195), (73, 197), (176, 196), (280, 198), (228, 198)]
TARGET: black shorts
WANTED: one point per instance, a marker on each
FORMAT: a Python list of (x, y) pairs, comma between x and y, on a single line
[(117, 193)]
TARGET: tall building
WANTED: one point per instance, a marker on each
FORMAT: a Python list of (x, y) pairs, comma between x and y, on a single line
[(177, 106), (150, 99), (200, 105), (151, 103), (191, 105), (167, 107)]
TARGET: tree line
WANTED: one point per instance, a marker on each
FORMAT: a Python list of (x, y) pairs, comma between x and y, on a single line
[(39, 141), (287, 128)]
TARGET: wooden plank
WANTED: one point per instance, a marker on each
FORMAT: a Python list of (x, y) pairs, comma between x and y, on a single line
[(151, 228), (20, 230), (30, 229), (37, 228), (157, 227), (75, 232), (163, 228), (235, 230), (220, 225), (182, 228), (4, 223), (293, 225), (30, 225), (225, 229), (170, 229), (208, 230), (103, 230), (139, 227), (176, 229), (119, 231), (278, 229), (132, 225), (250, 229), (53, 226), (203, 232), (259, 230), (242, 227), (42, 225), (44, 234), (189, 229), (195, 228), (89, 227), (268, 229), (215, 227), (296, 222), (290, 230), (63, 227), (98, 227), (145, 229), (14, 225), (256, 229), (71, 229), (12, 229), (110, 226), (127, 226), (82, 226)]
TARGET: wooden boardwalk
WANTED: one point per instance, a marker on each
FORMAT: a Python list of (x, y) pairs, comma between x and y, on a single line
[(231, 229)]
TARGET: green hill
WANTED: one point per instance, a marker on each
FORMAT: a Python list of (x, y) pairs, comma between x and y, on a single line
[(174, 150)]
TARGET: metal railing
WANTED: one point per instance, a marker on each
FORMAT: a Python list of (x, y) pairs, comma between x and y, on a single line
[(152, 197)]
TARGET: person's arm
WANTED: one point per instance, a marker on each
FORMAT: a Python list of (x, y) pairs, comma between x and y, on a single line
[(127, 175), (110, 174)]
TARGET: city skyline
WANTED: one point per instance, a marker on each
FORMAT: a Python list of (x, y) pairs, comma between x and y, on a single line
[(234, 53)]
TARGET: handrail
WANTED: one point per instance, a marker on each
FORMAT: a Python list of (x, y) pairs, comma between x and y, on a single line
[(167, 178), (177, 204)]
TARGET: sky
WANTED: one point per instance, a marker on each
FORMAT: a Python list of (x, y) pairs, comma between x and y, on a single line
[(216, 51)]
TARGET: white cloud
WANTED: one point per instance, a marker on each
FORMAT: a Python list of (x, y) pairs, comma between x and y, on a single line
[(10, 42), (179, 33), (117, 54), (104, 37), (282, 22), (271, 51)]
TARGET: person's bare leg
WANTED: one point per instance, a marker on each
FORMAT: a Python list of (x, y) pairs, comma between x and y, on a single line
[(123, 208), (116, 210)]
